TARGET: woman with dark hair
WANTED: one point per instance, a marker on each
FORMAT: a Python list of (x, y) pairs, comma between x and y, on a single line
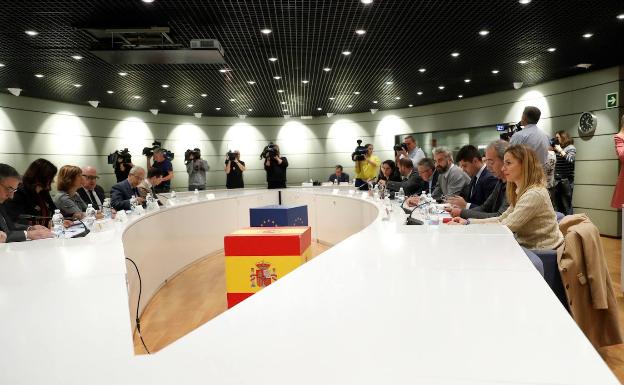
[(564, 171), (389, 172), (32, 203)]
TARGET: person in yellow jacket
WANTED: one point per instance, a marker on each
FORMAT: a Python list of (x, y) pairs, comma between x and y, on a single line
[(367, 169)]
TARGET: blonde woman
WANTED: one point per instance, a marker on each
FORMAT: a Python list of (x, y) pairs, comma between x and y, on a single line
[(530, 215)]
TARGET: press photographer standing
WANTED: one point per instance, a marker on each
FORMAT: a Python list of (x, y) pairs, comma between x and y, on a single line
[(196, 167), (165, 167), (367, 168), (234, 168), (275, 166)]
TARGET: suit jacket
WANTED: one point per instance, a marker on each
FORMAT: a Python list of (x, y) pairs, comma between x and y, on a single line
[(434, 182), (494, 205), (27, 202), (121, 194), (478, 190), (98, 190), (14, 231), (411, 185), (585, 276), (451, 182)]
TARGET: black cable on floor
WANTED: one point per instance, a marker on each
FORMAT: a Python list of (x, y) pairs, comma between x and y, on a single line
[(138, 321)]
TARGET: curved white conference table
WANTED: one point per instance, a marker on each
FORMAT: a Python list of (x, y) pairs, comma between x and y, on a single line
[(388, 304)]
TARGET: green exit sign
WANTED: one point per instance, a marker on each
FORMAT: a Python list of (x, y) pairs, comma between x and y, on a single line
[(612, 100)]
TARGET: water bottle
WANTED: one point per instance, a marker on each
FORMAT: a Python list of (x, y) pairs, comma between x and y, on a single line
[(400, 196), (57, 222), (106, 209), (133, 203), (376, 192), (196, 195), (335, 181), (89, 219)]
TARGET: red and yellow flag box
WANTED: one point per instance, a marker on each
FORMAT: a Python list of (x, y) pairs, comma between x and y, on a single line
[(256, 257)]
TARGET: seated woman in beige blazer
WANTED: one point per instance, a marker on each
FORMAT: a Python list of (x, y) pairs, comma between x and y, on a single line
[(530, 215)]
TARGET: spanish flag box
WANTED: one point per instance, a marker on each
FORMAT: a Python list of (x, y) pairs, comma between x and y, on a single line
[(258, 256)]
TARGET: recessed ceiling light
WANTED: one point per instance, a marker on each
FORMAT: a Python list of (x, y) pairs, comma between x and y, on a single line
[(110, 92), (251, 82), (460, 96), (398, 98), (232, 100), (224, 70), (375, 101), (203, 95), (455, 54), (283, 102), (122, 73), (441, 87), (583, 65), (367, 1), (305, 81), (552, 49), (356, 93), (326, 69), (189, 105), (136, 97), (350, 105), (411, 105), (484, 32), (272, 59), (280, 91), (31, 33), (165, 86), (319, 109), (77, 57), (419, 92), (218, 108), (467, 80), (77, 85), (39, 76), (277, 77), (163, 101), (249, 109), (346, 53), (422, 70), (332, 98), (266, 31), (524, 2), (495, 71), (588, 35), (360, 31), (389, 83), (1, 64), (522, 61), (148, 1), (620, 16), (285, 110)]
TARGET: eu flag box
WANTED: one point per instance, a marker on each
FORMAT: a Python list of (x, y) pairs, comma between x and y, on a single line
[(257, 257), (278, 215)]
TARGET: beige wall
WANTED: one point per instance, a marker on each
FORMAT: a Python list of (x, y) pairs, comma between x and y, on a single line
[(81, 135)]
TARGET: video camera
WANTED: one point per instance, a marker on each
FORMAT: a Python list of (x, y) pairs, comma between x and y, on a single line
[(399, 147), (231, 156), (508, 130), (192, 155), (269, 152), (149, 151), (554, 142), (119, 156), (360, 152)]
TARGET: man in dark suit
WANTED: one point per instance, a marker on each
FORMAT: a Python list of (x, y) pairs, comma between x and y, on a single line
[(496, 203), (428, 174), (15, 232), (412, 182), (91, 192), (482, 181), (124, 190)]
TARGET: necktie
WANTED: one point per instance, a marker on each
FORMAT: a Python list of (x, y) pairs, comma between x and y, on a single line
[(93, 200), (4, 226), (473, 182)]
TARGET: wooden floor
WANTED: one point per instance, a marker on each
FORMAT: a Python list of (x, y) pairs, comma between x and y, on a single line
[(198, 294)]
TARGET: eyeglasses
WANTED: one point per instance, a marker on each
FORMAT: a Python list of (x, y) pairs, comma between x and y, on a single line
[(91, 177), (9, 189)]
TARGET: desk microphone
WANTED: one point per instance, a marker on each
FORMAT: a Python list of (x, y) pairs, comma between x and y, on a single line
[(410, 221)]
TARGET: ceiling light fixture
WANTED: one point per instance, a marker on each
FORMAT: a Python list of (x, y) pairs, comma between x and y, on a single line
[(242, 116), (251, 82), (346, 53), (411, 105), (356, 93), (319, 109), (419, 93), (330, 114), (39, 76), (110, 92), (122, 73), (266, 31), (232, 100), (484, 32), (136, 97), (148, 1), (77, 57), (203, 95), (15, 91), (94, 103), (620, 16), (280, 91), (283, 102), (552, 49), (524, 2), (389, 83), (285, 110), (332, 98), (460, 96), (31, 33), (273, 59), (77, 85), (154, 111), (165, 86), (375, 101), (455, 54), (588, 35), (350, 105), (197, 114), (422, 70), (467, 80), (224, 70), (441, 87), (163, 101), (277, 77), (398, 98), (218, 108), (305, 81), (522, 61), (374, 111), (249, 109), (326, 69), (360, 32), (366, 2), (1, 64), (189, 105), (495, 72)]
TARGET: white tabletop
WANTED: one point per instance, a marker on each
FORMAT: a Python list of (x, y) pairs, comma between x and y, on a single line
[(391, 304)]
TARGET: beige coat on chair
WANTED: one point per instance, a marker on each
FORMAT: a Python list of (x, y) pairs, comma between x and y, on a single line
[(585, 276)]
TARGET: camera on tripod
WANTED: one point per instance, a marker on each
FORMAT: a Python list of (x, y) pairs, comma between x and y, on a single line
[(149, 151), (119, 156), (269, 151), (360, 152), (192, 154)]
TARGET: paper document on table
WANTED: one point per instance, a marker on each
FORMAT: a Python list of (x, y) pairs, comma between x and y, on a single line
[(75, 229)]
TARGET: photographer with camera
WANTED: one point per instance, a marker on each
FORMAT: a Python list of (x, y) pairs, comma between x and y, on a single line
[(531, 135), (164, 165), (196, 167), (122, 163), (234, 168), (275, 166), (366, 165), (563, 187), (409, 149)]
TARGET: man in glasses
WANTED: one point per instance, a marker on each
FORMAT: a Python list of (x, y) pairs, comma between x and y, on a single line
[(15, 232), (91, 192)]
